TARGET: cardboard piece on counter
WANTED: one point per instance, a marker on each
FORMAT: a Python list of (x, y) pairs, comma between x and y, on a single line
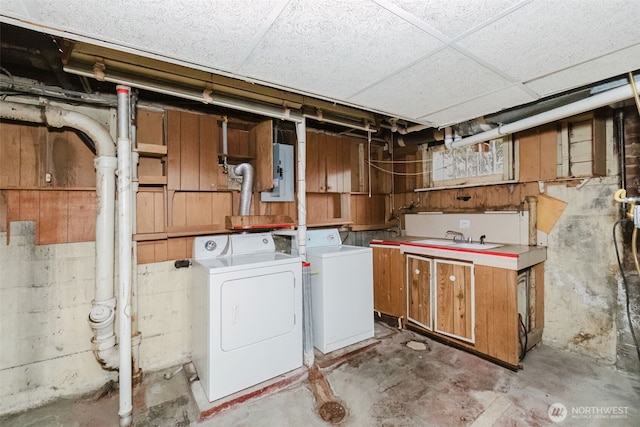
[(549, 211)]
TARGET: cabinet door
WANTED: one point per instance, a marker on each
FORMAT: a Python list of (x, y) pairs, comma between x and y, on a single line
[(454, 295), (388, 281), (192, 163), (419, 291)]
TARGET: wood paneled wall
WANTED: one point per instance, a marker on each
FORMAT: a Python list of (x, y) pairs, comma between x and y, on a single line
[(60, 216)]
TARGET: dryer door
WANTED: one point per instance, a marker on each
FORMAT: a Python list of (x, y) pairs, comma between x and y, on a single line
[(256, 308)]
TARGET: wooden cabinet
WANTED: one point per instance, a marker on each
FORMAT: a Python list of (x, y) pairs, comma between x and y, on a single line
[(454, 300), (440, 296), (329, 165), (419, 272), (389, 296), (192, 157), (473, 306)]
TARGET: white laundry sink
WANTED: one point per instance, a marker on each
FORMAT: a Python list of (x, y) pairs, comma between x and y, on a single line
[(435, 242), (476, 246)]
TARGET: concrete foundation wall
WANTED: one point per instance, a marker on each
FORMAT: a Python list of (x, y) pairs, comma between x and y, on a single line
[(581, 286), (45, 298)]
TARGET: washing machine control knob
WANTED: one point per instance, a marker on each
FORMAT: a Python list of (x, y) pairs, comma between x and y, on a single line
[(210, 245)]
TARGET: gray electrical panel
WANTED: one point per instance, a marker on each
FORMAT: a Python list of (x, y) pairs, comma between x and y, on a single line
[(283, 175)]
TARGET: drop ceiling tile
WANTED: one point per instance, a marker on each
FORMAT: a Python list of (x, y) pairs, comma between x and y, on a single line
[(543, 37), (197, 32), (444, 79), (455, 17), (480, 106), (617, 63), (335, 48), (13, 8)]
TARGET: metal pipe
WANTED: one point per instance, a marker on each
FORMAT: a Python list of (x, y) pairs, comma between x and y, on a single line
[(246, 171), (124, 254), (591, 103)]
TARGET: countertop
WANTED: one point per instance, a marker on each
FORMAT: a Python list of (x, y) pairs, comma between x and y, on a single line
[(511, 257)]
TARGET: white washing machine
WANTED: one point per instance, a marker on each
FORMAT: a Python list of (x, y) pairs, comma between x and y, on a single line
[(341, 290), (247, 307)]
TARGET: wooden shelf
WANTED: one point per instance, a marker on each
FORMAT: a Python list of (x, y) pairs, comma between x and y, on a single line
[(337, 221), (258, 222), (152, 180), (369, 227), (151, 150), (195, 230), (142, 237)]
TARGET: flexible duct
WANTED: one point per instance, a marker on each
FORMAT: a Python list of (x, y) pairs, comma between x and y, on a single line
[(102, 314), (591, 103), (246, 171)]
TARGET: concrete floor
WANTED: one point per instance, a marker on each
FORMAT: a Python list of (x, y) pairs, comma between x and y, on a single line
[(386, 384)]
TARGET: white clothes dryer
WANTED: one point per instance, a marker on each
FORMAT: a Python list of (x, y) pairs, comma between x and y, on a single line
[(247, 312)]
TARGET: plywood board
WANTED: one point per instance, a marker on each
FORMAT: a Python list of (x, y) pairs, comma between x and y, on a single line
[(312, 170), (53, 217), (529, 159), (548, 152), (31, 155), (263, 134), (82, 216), (10, 158), (149, 126), (189, 151), (208, 153), (549, 211), (177, 248), (330, 150), (173, 150)]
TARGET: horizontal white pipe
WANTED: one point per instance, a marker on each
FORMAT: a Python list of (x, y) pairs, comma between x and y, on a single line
[(593, 102), (201, 96)]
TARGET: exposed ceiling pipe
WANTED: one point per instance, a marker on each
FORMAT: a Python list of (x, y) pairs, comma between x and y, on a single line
[(200, 95), (102, 315), (411, 129), (591, 103)]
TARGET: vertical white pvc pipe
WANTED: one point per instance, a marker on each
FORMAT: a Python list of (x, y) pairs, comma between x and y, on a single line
[(124, 254), (301, 132), (308, 353)]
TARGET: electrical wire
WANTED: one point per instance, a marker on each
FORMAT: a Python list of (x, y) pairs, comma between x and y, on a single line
[(624, 280)]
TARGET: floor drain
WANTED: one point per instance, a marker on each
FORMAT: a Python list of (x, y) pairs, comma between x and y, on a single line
[(332, 412)]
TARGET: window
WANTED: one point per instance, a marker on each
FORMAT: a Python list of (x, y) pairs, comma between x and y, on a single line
[(486, 162)]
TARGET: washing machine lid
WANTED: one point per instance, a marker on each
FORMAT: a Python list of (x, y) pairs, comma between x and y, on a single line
[(342, 250), (246, 261)]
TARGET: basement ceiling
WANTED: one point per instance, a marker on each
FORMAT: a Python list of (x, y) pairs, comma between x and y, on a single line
[(435, 62)]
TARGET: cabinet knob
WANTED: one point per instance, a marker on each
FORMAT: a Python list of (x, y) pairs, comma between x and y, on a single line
[(452, 278), (417, 271)]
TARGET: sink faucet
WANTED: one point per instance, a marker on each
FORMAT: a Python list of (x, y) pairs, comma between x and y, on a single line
[(457, 236)]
